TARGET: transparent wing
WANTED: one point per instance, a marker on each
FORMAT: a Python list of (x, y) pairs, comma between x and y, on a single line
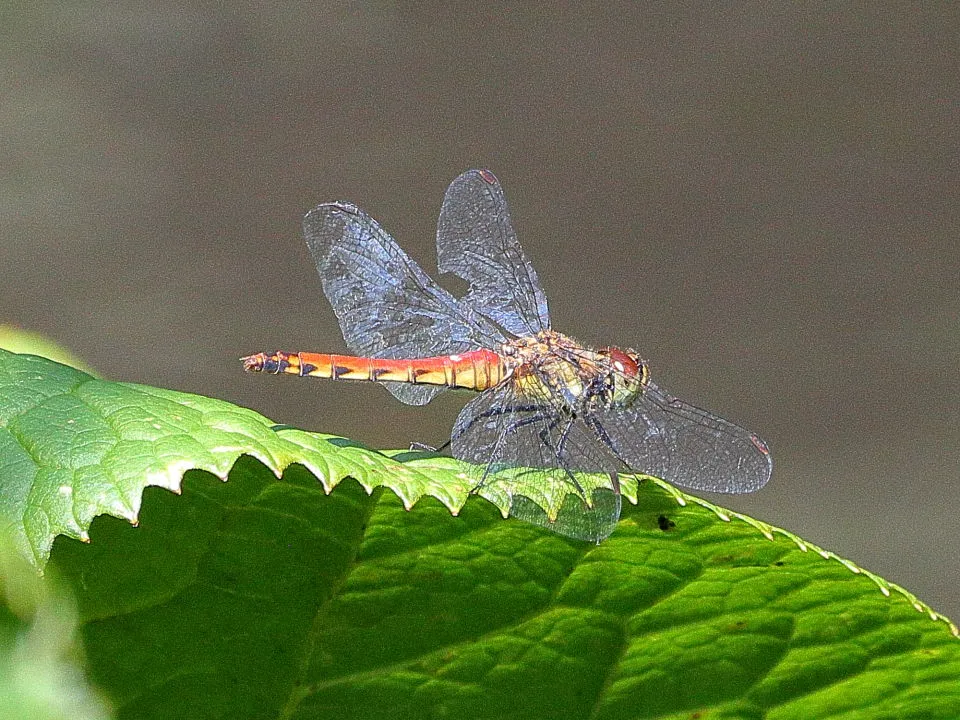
[(476, 242), (387, 306), (530, 450), (659, 435)]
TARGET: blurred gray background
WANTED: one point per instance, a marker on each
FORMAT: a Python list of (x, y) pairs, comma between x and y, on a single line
[(760, 197)]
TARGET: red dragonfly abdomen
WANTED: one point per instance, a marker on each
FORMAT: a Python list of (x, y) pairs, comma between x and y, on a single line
[(473, 370)]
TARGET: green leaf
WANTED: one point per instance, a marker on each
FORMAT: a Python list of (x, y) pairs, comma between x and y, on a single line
[(271, 597), (73, 447)]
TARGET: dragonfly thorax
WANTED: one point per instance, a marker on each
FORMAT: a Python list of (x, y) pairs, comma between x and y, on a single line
[(550, 365)]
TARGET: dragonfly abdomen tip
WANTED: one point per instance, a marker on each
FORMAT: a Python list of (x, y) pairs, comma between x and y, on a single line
[(265, 362)]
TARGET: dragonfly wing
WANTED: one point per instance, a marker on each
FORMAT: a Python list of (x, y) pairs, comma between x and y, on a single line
[(413, 394), (386, 304), (476, 242), (660, 435), (525, 448)]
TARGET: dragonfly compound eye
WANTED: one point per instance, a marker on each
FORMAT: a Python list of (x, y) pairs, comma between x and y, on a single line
[(623, 363), (627, 375)]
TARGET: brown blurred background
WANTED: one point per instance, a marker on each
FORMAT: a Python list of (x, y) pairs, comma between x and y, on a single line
[(761, 197)]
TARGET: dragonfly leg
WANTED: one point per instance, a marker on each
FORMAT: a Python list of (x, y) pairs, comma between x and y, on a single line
[(614, 482), (601, 432), (423, 447), (545, 439), (494, 412), (604, 436), (502, 436), (558, 450)]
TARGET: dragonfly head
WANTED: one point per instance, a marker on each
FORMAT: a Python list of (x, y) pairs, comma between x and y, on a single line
[(627, 376)]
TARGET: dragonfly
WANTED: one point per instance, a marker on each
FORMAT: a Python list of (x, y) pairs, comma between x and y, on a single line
[(549, 409)]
